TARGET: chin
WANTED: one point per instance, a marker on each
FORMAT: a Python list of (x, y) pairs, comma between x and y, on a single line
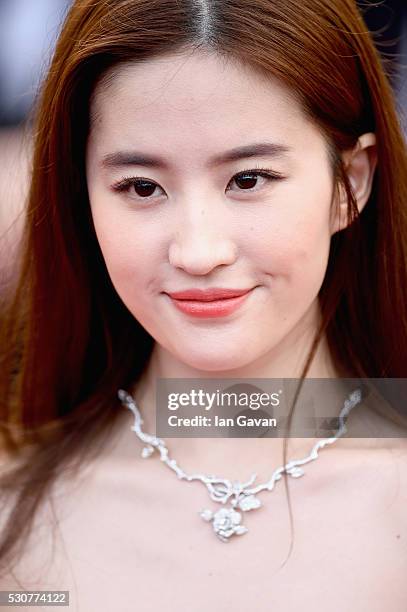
[(215, 361)]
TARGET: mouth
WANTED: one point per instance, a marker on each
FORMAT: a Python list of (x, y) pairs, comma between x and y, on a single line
[(205, 307), (208, 295)]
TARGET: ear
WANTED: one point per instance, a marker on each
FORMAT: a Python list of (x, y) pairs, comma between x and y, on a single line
[(360, 164)]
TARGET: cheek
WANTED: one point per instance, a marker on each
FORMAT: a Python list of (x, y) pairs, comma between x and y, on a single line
[(294, 248), (132, 262), (129, 250)]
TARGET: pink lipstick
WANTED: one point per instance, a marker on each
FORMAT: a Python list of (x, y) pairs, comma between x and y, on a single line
[(216, 302)]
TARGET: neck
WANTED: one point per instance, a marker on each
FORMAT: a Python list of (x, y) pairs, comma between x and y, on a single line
[(235, 457)]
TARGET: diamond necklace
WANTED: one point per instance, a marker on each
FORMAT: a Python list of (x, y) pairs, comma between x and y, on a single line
[(226, 522)]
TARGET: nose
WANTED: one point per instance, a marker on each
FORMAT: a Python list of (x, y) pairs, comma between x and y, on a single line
[(201, 242)]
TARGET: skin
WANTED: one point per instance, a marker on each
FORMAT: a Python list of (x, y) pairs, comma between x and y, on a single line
[(196, 232), (202, 226), (199, 232)]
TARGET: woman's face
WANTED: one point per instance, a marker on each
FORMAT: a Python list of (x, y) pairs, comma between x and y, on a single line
[(203, 174)]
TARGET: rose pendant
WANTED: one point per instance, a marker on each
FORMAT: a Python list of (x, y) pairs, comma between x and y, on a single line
[(227, 521)]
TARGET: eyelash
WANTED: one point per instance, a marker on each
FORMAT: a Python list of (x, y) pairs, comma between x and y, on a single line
[(126, 182)]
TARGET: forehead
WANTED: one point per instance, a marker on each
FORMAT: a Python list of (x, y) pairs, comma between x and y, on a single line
[(195, 100)]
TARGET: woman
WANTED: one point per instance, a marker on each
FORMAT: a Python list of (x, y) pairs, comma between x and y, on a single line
[(192, 146)]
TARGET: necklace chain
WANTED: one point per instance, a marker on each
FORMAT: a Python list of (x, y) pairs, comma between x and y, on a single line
[(227, 521)]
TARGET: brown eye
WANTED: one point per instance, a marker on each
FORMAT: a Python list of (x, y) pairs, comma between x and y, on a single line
[(249, 179), (136, 187), (144, 189), (246, 181)]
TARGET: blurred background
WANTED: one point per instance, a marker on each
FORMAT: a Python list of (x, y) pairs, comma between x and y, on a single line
[(28, 31)]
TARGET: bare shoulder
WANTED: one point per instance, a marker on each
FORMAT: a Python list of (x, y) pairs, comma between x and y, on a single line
[(398, 453), (9, 582), (387, 467)]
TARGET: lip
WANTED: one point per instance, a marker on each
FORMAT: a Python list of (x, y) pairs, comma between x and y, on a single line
[(208, 295), (210, 308)]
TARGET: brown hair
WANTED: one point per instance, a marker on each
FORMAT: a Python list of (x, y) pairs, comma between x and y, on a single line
[(67, 341)]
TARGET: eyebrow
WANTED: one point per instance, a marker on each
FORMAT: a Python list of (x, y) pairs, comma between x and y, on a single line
[(136, 158)]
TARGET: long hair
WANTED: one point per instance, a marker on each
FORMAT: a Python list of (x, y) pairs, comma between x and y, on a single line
[(67, 341)]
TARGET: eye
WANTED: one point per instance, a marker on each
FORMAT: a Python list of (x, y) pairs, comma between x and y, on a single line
[(248, 179), (143, 188)]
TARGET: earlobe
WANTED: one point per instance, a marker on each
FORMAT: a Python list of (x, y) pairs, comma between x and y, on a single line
[(360, 165)]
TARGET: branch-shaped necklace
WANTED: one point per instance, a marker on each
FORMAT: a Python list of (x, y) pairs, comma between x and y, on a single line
[(227, 521)]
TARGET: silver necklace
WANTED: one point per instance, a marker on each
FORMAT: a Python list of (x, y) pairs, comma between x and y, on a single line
[(226, 522)]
